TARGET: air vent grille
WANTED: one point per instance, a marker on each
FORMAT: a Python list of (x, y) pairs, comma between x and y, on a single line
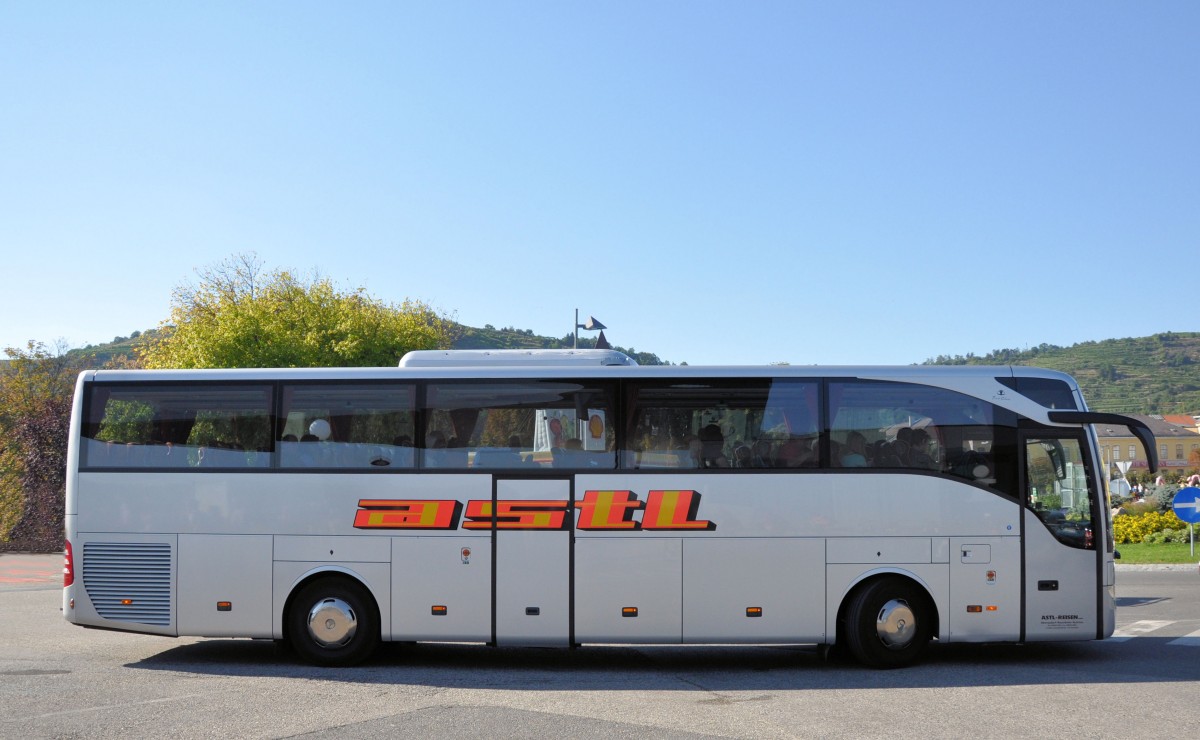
[(129, 581)]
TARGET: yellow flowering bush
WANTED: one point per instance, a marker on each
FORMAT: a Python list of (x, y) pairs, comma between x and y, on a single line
[(1136, 527)]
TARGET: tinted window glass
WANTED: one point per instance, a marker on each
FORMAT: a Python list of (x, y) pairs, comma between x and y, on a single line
[(1057, 489), (1048, 392), (909, 426), (722, 424), (519, 424), (367, 426), (178, 426)]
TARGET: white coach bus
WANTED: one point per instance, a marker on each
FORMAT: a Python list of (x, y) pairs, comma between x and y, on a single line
[(572, 498)]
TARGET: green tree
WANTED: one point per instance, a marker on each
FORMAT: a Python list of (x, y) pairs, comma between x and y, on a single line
[(240, 315), (36, 388)]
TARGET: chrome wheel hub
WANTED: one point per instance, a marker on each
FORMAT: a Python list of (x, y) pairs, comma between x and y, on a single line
[(332, 623), (896, 624)]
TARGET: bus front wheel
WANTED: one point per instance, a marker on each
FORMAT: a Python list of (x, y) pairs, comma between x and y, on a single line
[(888, 623), (333, 622)]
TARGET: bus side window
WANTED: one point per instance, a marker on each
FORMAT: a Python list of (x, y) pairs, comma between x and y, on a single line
[(722, 424), (351, 425), (914, 427), (165, 425), (506, 424)]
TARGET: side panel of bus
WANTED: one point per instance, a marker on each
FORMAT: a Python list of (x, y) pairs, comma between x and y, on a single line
[(642, 574), (533, 565), (769, 557)]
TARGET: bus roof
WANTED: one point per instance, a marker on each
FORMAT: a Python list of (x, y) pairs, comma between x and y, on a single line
[(575, 369), (514, 357)]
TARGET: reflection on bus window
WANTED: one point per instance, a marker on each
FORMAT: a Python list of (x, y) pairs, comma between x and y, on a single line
[(358, 425), (750, 423), (916, 427), (178, 426), (524, 424), (1056, 489)]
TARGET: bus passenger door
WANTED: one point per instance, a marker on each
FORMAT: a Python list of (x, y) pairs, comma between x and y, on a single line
[(533, 561), (1062, 566)]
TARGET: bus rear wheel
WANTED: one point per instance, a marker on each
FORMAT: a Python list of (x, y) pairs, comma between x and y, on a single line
[(333, 622), (888, 623)]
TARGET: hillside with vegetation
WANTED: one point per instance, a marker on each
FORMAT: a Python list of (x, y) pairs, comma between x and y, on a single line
[(1159, 374), (463, 337), (1146, 375), (103, 354), (489, 337)]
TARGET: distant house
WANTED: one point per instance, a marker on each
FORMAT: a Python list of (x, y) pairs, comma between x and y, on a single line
[(1175, 442), (1190, 423)]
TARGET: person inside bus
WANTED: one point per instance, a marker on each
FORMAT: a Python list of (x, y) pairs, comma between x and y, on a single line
[(570, 455), (761, 454), (798, 452), (896, 454), (918, 453), (435, 446), (457, 454), (712, 448), (403, 455), (854, 452)]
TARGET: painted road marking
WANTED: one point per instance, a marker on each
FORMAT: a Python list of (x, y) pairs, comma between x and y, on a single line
[(25, 569), (26, 575), (1192, 640), (1137, 629)]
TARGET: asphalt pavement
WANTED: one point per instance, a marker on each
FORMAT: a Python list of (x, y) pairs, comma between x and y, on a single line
[(23, 570), (60, 681)]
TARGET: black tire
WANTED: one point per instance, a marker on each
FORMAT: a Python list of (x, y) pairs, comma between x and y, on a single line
[(333, 622), (889, 623)]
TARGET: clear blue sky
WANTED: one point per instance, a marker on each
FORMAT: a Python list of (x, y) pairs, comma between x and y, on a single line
[(718, 182)]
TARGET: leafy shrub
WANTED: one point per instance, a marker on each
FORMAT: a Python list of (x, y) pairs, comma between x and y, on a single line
[(42, 444), (1168, 535), (36, 388), (1136, 527), (1140, 507), (1162, 496)]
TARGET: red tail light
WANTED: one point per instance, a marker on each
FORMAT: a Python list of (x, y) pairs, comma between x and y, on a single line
[(68, 566)]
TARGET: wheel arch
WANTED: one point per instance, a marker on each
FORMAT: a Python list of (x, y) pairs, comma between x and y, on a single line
[(333, 572), (865, 579)]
